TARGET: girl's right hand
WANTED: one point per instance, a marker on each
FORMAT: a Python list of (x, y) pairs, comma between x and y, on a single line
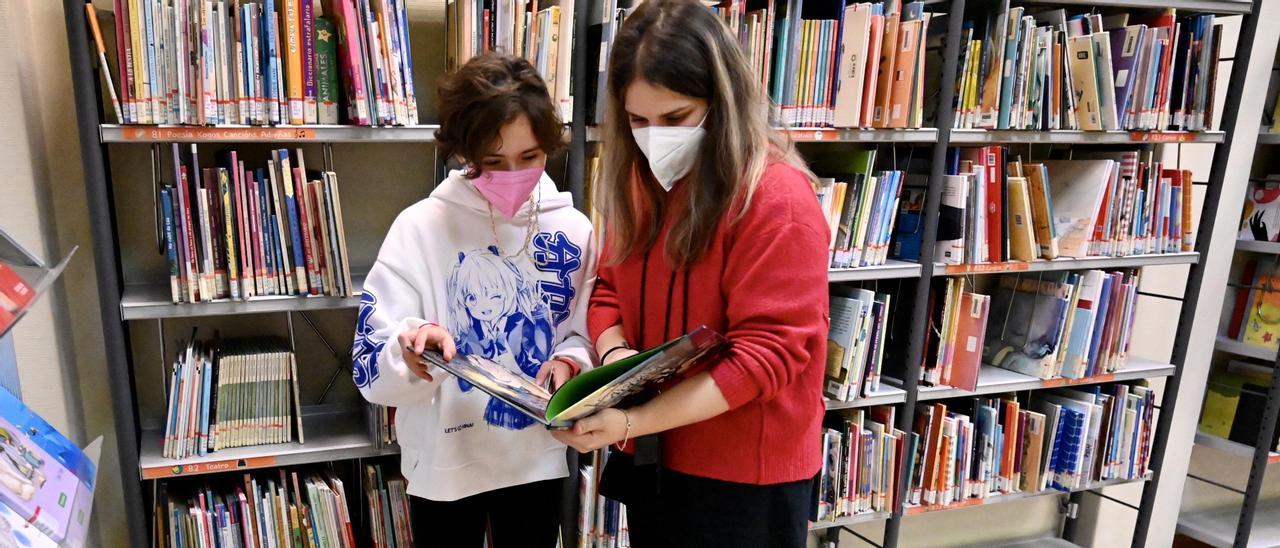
[(427, 336)]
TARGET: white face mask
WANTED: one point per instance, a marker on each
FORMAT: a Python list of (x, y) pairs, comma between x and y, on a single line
[(671, 150)]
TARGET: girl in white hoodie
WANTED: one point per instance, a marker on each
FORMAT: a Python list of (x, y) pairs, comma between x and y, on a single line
[(495, 262)]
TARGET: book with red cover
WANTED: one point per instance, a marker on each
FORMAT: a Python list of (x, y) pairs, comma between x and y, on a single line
[(970, 334)]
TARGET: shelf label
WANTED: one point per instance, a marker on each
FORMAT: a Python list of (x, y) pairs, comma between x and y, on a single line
[(1161, 136), (987, 268), (154, 133), (956, 504), (157, 472), (1063, 381), (813, 134)]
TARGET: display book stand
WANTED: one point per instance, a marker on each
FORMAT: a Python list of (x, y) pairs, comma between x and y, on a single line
[(1226, 526), (22, 516), (122, 305)]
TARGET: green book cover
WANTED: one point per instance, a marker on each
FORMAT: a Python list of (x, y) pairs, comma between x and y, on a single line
[(326, 70), (592, 390)]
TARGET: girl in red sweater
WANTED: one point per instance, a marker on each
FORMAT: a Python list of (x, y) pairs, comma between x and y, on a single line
[(712, 220)]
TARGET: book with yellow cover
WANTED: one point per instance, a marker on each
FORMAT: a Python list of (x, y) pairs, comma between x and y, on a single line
[(1022, 238)]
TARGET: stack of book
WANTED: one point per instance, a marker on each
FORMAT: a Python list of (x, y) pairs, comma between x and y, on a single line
[(231, 393), (1255, 316), (860, 206), (1063, 440), (957, 329), (381, 421), (602, 522), (539, 31), (863, 457), (1235, 403), (856, 343), (288, 509), (237, 233), (1073, 325), (995, 209), (1048, 71), (210, 62), (388, 501)]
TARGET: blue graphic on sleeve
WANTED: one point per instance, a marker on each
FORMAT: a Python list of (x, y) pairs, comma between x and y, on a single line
[(364, 352), (498, 311), (555, 253)]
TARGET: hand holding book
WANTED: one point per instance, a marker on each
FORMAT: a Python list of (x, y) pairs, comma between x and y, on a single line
[(601, 388), (427, 336)]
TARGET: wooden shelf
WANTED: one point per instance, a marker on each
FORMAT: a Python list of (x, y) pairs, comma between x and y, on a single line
[(115, 133), (1189, 257), (1232, 346), (332, 433), (886, 395), (1231, 447), (153, 302), (988, 136), (1009, 497), (994, 380), (848, 520)]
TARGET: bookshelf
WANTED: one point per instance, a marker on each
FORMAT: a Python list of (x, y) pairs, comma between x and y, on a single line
[(1251, 520), (132, 309)]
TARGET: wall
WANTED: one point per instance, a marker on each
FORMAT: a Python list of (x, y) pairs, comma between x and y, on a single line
[(43, 206)]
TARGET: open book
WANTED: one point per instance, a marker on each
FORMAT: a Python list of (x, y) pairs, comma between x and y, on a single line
[(591, 391)]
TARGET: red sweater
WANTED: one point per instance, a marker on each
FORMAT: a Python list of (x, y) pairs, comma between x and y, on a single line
[(763, 283)]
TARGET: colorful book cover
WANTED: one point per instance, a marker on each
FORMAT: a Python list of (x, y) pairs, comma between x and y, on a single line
[(46, 481)]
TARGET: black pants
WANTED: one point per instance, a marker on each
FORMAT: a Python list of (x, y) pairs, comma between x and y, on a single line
[(669, 509), (523, 515)]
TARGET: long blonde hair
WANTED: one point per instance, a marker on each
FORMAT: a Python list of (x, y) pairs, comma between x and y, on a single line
[(682, 46)]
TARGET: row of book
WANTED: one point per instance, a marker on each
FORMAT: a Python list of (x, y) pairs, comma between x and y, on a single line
[(997, 209), (381, 421), (602, 521), (1063, 440), (210, 62), (274, 508), (856, 342), (1063, 324), (860, 205), (1254, 315), (539, 31), (837, 64), (286, 508), (237, 233), (231, 393), (1235, 401), (387, 496), (1049, 71), (863, 458)]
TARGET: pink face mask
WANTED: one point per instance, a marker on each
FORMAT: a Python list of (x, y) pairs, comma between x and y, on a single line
[(508, 190)]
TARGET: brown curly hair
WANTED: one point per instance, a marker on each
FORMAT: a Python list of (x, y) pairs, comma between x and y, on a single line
[(485, 94)]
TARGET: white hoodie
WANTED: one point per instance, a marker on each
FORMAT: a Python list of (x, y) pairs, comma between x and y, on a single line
[(437, 264)]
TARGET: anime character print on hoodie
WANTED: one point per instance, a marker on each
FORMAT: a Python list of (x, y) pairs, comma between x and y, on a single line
[(519, 298)]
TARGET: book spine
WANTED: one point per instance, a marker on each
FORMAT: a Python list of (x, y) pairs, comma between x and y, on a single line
[(229, 232), (307, 16), (166, 204), (293, 61), (326, 71)]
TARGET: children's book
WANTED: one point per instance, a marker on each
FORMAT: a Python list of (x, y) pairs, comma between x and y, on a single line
[(46, 481), (591, 391)]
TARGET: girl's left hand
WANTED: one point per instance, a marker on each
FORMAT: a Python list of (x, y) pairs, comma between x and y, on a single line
[(598, 430), (556, 370)]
